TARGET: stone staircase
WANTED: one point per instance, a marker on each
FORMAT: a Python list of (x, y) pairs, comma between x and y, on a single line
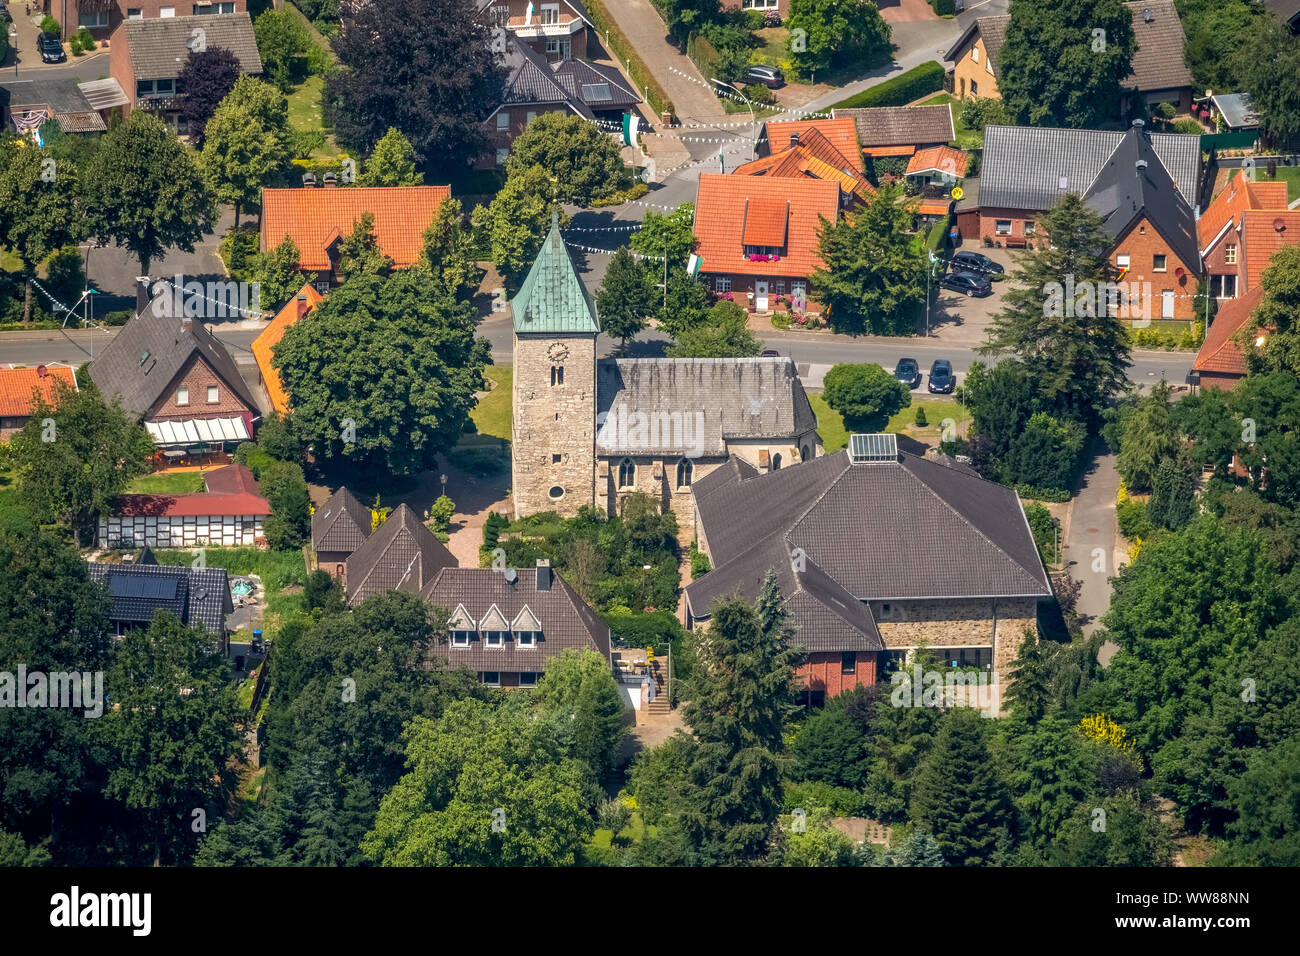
[(659, 674)]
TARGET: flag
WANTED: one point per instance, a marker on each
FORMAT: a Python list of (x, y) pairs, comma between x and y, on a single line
[(528, 14), (631, 121), (693, 265)]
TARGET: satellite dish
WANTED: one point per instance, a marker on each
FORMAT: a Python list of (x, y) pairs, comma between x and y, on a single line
[(42, 371), (511, 574), (1279, 224)]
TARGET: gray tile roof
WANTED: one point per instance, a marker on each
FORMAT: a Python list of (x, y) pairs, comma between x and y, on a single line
[(992, 30), (1030, 168), (401, 555), (197, 597), (567, 621), (64, 97), (709, 401), (341, 524), (552, 299), (141, 361), (599, 87), (159, 47), (901, 125), (531, 80), (1286, 10)]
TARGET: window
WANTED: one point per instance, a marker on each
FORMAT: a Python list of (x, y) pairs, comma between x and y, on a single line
[(556, 492), (461, 638), (495, 638), (528, 679), (1122, 261), (550, 14), (1228, 288), (526, 638), (93, 20), (776, 462), (975, 53), (778, 287), (626, 473), (164, 12), (557, 375), (155, 87), (182, 396), (214, 394), (532, 115), (848, 662), (1002, 227), (203, 9), (491, 678), (988, 64), (759, 4), (1029, 228), (133, 13), (1230, 254), (885, 610), (502, 155), (722, 284), (556, 459), (552, 46), (503, 122), (1159, 263), (500, 16), (974, 88), (684, 473), (804, 454)]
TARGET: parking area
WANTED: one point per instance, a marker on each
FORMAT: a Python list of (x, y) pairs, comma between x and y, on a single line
[(960, 318)]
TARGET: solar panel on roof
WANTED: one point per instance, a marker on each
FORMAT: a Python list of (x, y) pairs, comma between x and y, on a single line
[(868, 448), (156, 587), (596, 92)]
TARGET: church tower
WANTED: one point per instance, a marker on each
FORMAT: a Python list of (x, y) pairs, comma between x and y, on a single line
[(553, 447)]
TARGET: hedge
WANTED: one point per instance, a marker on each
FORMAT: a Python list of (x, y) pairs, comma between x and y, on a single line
[(899, 91), (632, 62), (944, 8), (1030, 493)]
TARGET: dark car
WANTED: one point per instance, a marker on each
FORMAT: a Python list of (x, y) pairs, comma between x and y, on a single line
[(975, 262), (941, 378), (770, 353), (908, 372), (51, 49), (764, 75), (968, 283)]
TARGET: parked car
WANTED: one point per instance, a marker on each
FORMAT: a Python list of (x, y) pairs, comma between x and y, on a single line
[(968, 283), (770, 353), (941, 378), (764, 75), (975, 262), (908, 372), (51, 49)]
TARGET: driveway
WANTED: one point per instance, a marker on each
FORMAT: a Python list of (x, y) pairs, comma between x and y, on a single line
[(1091, 539), (25, 59)]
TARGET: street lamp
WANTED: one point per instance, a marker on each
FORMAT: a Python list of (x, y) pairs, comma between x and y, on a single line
[(753, 117), (443, 479)]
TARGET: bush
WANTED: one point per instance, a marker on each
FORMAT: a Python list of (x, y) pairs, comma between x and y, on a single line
[(1030, 493), (74, 44), (1133, 520), (635, 191), (118, 318), (758, 94), (891, 166), (944, 8), (440, 513), (238, 249), (1043, 527), (1189, 127), (921, 420), (492, 528), (699, 562), (902, 89), (841, 801), (304, 142), (87, 41), (51, 26), (979, 111), (1046, 453), (481, 462)]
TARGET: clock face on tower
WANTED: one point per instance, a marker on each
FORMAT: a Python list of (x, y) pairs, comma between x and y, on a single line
[(557, 352)]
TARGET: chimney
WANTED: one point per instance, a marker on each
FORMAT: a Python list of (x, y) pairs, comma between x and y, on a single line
[(1141, 164), (142, 296), (794, 138), (187, 325), (303, 307), (543, 574)]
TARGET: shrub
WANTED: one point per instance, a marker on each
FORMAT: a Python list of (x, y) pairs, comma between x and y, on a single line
[(120, 317), (758, 94), (238, 249), (944, 8), (492, 528), (921, 420), (51, 26), (902, 89), (841, 801), (979, 111), (1189, 127), (440, 513), (699, 562), (1133, 520), (74, 44), (304, 142), (481, 462), (87, 41), (1043, 527), (1046, 453)]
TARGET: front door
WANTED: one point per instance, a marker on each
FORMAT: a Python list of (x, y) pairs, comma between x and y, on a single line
[(760, 295), (1167, 304)]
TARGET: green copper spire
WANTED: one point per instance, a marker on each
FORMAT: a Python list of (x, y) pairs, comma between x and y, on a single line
[(553, 298)]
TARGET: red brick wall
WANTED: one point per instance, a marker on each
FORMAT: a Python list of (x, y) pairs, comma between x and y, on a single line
[(988, 221), (197, 375), (741, 284), (518, 123), (1221, 380), (821, 672), (67, 12), (1216, 262), (1140, 244)]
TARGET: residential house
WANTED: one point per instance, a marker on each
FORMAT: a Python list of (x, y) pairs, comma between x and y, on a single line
[(176, 377), (103, 17), (900, 130), (20, 388), (1221, 228), (338, 528), (535, 86), (26, 105), (554, 29), (508, 626), (401, 555), (146, 57), (937, 165), (589, 432), (1159, 69), (301, 305), (1287, 11), (1233, 110), (229, 513), (807, 152), (757, 237), (1220, 362), (876, 553), (197, 597), (780, 7), (319, 218)]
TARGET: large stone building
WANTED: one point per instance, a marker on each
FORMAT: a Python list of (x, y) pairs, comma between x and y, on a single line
[(592, 432)]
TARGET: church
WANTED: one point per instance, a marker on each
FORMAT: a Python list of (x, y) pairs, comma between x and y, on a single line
[(590, 431)]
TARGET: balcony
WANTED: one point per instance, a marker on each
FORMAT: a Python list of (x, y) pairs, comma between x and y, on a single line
[(566, 26)]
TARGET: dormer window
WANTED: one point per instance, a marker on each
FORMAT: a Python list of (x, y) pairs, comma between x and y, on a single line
[(494, 638), (526, 638), (461, 638)]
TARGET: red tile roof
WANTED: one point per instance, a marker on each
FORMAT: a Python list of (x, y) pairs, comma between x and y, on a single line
[(889, 150), (231, 490), (939, 159), (812, 156), (842, 134), (722, 227), (18, 386), (1218, 352), (270, 337), (313, 217), (1266, 231), (1239, 195), (765, 220), (230, 480)]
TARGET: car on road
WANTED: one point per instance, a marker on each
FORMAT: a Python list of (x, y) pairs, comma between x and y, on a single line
[(968, 283), (975, 262), (908, 372), (51, 49), (765, 75), (770, 353), (942, 380)]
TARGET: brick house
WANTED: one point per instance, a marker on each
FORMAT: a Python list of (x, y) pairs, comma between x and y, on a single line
[(757, 236), (318, 218), (146, 58), (197, 597), (900, 130), (762, 6), (805, 149), (1220, 362), (338, 528), (401, 555), (20, 388), (948, 561), (554, 29), (1220, 231), (1159, 69), (102, 17)]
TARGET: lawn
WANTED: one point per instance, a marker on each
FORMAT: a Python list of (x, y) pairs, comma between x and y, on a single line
[(967, 138), (283, 573), (1291, 174), (176, 483), (492, 413), (830, 425), (305, 112)]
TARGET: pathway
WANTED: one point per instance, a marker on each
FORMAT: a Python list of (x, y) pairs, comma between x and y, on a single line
[(1092, 550)]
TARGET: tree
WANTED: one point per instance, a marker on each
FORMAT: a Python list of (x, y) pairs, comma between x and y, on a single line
[(1275, 318), (281, 37), (449, 252), (627, 295), (1049, 771), (1149, 438), (517, 220), (1173, 495), (836, 32), (1267, 62), (920, 848), (359, 252), (1217, 31), (440, 514), (393, 75), (959, 796), (1132, 836), (874, 279), (828, 747), (288, 525), (1075, 352), (1267, 408), (669, 236), (866, 395), (391, 163), (144, 190), (1046, 454), (685, 305), (172, 731), (277, 274), (1001, 399), (322, 591), (484, 788), (579, 691), (40, 208), (817, 843), (1029, 693), (75, 455), (247, 142), (207, 78), (1267, 829), (1057, 69), (585, 161), (723, 334), (431, 367)]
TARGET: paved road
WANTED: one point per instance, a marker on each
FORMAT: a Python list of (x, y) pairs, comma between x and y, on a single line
[(1091, 539)]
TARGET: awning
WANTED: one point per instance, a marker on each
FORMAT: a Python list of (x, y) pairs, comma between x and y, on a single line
[(933, 207), (103, 94), (198, 430)]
